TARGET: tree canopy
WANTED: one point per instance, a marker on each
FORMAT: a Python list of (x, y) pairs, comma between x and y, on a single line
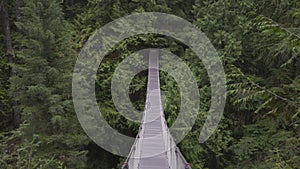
[(258, 42)]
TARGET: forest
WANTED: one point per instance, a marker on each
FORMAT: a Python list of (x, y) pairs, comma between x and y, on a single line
[(258, 42)]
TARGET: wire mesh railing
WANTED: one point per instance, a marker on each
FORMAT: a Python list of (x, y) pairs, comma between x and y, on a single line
[(175, 158), (132, 160), (173, 155)]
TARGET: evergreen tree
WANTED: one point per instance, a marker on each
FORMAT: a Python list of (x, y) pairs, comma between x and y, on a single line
[(42, 89), (258, 42)]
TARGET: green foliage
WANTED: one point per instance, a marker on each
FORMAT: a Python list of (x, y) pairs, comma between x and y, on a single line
[(51, 136), (259, 56), (5, 108), (268, 147), (258, 42)]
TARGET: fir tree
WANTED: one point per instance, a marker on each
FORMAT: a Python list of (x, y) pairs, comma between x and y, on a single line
[(42, 87)]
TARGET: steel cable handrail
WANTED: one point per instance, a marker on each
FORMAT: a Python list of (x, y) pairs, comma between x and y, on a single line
[(133, 148), (171, 149)]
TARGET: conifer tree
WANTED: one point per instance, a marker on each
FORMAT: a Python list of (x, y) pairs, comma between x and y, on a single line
[(42, 86)]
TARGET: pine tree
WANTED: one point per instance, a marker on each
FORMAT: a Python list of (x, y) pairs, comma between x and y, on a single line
[(42, 88)]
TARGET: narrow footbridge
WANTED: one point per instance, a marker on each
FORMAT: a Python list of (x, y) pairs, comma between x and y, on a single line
[(154, 147)]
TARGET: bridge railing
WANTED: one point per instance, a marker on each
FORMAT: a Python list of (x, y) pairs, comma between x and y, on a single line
[(132, 160), (175, 157)]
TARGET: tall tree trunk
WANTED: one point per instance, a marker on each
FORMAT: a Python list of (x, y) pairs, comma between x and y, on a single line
[(9, 53), (6, 28)]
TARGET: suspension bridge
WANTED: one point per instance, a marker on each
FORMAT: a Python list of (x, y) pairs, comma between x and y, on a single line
[(154, 147)]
